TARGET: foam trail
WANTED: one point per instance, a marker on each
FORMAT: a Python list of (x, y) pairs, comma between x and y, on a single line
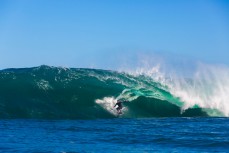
[(108, 104)]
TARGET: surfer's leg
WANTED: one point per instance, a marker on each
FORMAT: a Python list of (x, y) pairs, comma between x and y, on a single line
[(118, 110)]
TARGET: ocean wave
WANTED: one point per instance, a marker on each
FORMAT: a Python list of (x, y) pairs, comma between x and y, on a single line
[(70, 93)]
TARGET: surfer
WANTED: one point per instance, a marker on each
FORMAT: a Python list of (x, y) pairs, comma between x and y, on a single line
[(119, 106)]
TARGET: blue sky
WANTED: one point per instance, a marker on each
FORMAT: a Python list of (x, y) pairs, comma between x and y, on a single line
[(83, 33)]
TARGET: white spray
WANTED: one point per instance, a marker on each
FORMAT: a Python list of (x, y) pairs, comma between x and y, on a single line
[(207, 88), (108, 104)]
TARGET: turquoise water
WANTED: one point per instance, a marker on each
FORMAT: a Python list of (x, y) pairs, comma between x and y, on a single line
[(61, 93), (115, 135)]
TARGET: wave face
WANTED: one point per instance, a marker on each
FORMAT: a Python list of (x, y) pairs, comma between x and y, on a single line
[(62, 93)]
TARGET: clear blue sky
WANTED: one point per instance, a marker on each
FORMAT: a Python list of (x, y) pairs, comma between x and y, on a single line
[(83, 33)]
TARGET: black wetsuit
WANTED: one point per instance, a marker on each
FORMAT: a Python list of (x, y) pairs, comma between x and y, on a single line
[(119, 104)]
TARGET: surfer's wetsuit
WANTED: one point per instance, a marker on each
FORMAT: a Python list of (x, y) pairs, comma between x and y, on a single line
[(119, 108)]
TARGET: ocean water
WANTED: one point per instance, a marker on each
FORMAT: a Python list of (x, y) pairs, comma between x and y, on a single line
[(177, 134), (62, 93), (54, 109)]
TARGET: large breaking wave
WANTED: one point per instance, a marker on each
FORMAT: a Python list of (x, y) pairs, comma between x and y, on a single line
[(63, 93)]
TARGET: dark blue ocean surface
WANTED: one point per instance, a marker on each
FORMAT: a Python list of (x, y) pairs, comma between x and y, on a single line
[(116, 135)]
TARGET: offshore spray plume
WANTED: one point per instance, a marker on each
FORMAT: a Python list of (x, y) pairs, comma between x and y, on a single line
[(208, 88), (195, 84)]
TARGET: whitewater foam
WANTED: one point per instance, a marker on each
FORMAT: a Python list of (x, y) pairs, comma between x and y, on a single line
[(208, 88), (107, 103), (44, 85)]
